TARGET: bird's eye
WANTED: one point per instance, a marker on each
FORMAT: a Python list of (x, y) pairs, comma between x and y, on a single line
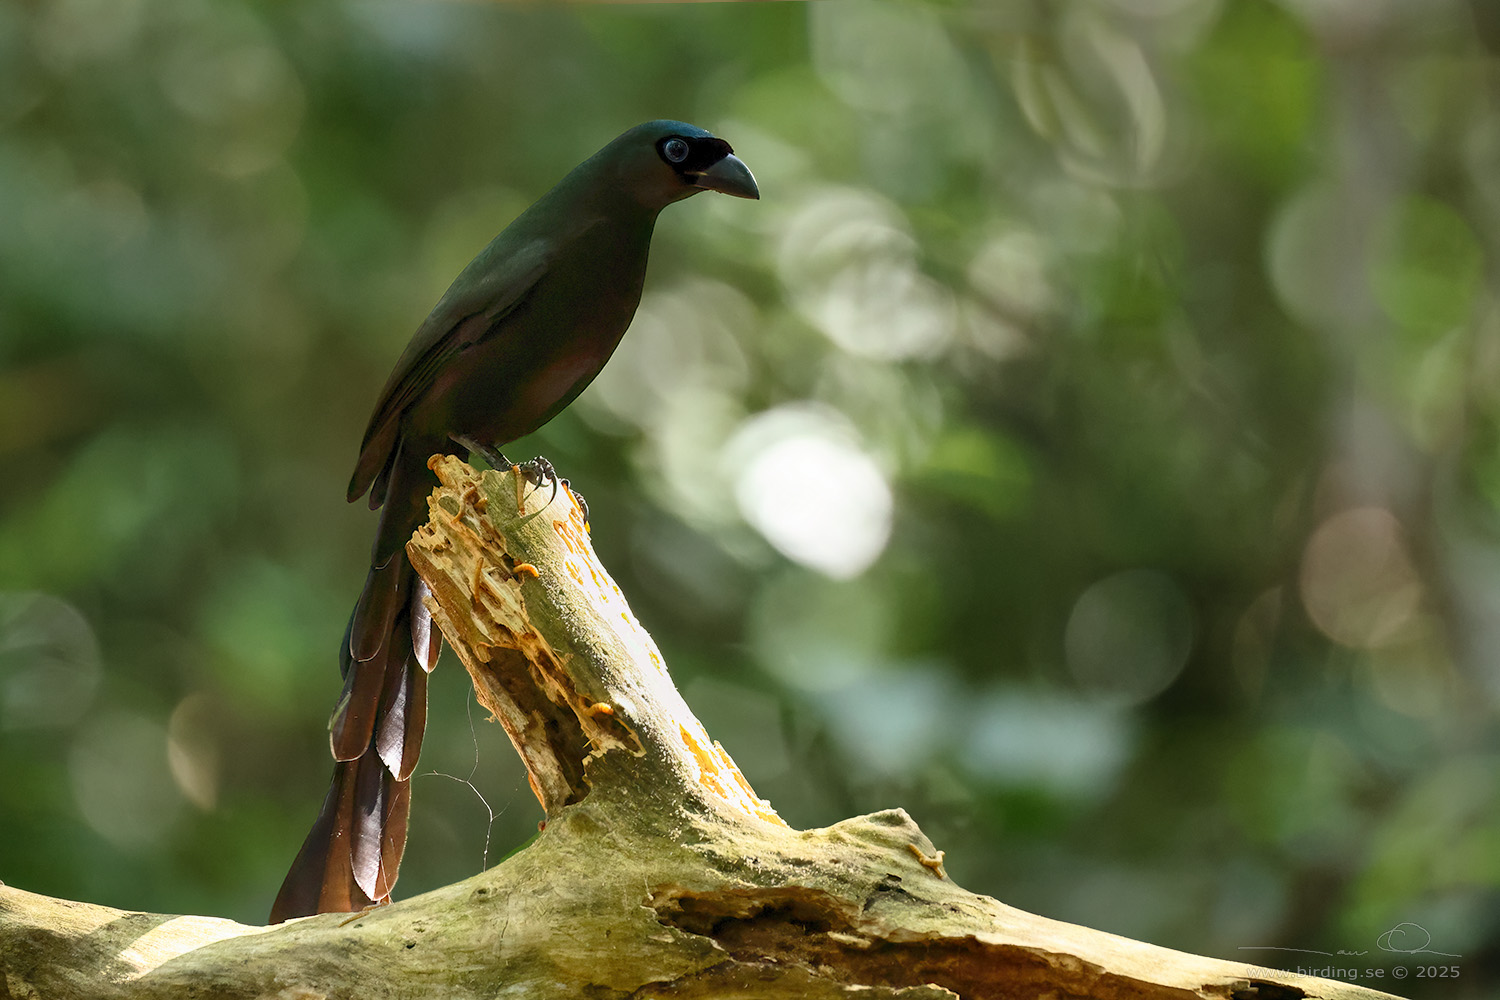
[(675, 150)]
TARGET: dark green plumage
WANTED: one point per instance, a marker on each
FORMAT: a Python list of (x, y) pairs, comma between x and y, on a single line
[(520, 333)]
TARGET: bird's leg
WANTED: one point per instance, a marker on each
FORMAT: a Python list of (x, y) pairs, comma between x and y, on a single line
[(535, 471), (488, 452)]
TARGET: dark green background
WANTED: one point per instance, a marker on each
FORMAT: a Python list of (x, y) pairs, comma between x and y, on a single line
[(1168, 328)]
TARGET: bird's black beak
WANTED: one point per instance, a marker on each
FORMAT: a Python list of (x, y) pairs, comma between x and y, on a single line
[(729, 176)]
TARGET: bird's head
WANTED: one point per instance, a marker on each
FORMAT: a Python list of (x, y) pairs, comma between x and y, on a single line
[(665, 161)]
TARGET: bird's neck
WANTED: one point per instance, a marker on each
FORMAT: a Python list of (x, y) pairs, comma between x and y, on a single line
[(590, 190)]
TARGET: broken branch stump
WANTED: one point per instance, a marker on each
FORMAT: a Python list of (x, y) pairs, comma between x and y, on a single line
[(659, 873)]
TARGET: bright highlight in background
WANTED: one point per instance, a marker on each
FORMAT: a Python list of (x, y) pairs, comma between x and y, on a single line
[(1359, 585), (808, 487), (1129, 636)]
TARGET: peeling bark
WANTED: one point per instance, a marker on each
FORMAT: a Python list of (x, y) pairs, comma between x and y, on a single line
[(659, 872)]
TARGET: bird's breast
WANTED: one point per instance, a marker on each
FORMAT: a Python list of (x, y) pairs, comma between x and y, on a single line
[(563, 377)]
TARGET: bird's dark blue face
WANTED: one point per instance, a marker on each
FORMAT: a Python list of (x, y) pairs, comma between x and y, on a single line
[(702, 161), (663, 161), (691, 155)]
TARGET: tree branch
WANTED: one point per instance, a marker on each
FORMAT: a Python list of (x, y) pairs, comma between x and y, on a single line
[(659, 872)]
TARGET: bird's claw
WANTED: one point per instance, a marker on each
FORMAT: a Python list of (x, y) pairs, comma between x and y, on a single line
[(536, 472)]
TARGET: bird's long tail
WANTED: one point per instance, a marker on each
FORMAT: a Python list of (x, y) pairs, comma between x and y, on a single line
[(351, 856)]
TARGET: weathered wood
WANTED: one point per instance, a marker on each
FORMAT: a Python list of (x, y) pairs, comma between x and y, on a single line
[(659, 872)]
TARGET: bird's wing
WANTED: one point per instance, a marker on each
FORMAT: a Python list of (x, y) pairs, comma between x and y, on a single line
[(490, 288)]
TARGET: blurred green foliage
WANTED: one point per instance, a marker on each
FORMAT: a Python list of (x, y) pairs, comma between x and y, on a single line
[(1140, 360)]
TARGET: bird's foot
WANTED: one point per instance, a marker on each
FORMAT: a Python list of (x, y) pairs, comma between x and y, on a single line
[(537, 472), (488, 452)]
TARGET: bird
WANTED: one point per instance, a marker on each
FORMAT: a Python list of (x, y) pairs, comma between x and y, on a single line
[(523, 329)]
